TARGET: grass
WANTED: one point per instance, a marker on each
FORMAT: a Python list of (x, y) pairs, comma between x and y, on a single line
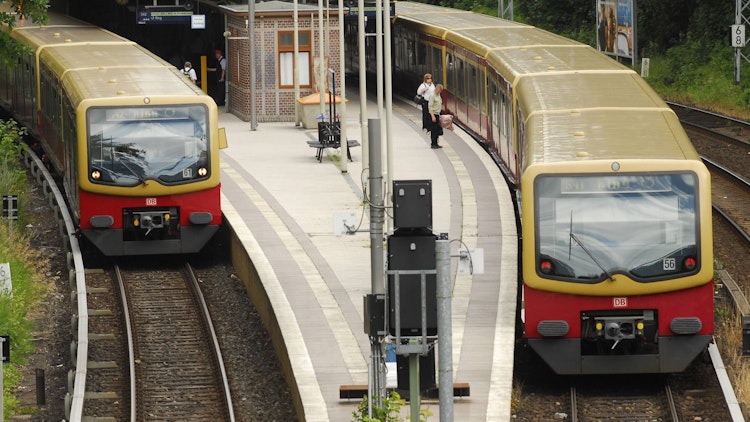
[(728, 335), (26, 268), (708, 84), (29, 288)]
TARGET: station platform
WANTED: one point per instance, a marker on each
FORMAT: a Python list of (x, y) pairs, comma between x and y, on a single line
[(280, 202)]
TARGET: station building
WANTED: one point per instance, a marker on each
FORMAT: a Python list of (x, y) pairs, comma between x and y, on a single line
[(164, 27)]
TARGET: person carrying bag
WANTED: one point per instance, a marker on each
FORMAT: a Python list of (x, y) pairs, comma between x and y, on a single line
[(425, 91)]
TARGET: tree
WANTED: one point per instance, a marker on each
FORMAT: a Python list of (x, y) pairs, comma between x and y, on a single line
[(36, 10)]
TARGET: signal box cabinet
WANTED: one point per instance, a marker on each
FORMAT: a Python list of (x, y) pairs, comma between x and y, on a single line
[(412, 204), (412, 253)]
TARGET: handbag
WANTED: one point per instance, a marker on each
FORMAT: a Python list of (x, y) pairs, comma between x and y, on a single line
[(418, 99), (446, 121)]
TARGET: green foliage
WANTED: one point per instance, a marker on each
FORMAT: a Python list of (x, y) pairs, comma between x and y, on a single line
[(28, 288), (704, 76), (12, 178), (36, 10), (388, 413), (691, 60), (28, 285)]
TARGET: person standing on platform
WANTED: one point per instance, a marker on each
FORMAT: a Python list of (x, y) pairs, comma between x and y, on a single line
[(426, 89), (435, 106), (190, 72), (221, 72)]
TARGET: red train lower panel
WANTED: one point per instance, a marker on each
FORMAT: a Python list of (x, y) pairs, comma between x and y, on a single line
[(659, 333), (173, 224)]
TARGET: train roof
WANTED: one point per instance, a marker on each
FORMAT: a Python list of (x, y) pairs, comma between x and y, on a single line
[(576, 102), (94, 63)]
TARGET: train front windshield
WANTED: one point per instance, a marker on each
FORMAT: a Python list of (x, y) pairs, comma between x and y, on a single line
[(590, 227), (129, 145)]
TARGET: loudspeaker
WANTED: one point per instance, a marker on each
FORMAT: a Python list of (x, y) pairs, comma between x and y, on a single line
[(412, 204), (412, 253)]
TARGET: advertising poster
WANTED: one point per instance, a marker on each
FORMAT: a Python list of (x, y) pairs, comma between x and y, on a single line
[(615, 27)]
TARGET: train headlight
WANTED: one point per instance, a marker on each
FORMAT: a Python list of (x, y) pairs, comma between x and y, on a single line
[(546, 267), (166, 217), (136, 222), (202, 171), (689, 263), (96, 175)]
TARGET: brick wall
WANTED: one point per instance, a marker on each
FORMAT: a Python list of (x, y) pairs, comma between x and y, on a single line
[(272, 103)]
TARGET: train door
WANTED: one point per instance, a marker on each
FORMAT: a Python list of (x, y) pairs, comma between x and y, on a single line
[(499, 113), (6, 86), (520, 136), (505, 113), (70, 137), (24, 99), (456, 82), (493, 117)]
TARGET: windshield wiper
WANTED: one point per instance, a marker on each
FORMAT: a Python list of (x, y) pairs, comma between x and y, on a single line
[(133, 172), (585, 249)]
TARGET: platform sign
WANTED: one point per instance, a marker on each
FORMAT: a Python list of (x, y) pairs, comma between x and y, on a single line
[(10, 207), (5, 340), (738, 36), (198, 22), (6, 285), (164, 15)]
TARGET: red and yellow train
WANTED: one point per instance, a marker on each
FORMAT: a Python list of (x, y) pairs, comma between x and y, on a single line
[(135, 142), (614, 202)]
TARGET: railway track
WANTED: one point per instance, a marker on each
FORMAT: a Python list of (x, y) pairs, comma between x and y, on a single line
[(179, 372), (724, 128), (731, 197), (108, 386), (98, 385), (639, 398), (153, 352)]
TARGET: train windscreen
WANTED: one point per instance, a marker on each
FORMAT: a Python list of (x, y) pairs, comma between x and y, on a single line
[(590, 227), (130, 145)]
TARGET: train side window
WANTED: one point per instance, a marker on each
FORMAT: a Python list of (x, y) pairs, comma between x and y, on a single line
[(437, 64), (421, 54), (460, 79), (472, 88)]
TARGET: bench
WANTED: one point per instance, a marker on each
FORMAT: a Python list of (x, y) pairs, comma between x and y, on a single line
[(329, 136), (460, 389), (350, 143)]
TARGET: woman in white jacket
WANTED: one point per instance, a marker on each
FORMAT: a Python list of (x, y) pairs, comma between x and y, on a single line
[(426, 89)]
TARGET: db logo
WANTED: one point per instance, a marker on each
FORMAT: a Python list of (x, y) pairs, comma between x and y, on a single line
[(620, 302), (150, 201)]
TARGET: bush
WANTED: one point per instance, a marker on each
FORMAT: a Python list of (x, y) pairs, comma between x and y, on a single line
[(388, 413), (28, 284), (12, 176)]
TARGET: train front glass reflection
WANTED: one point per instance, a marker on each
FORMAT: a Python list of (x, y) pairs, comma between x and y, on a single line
[(592, 226), (129, 145)]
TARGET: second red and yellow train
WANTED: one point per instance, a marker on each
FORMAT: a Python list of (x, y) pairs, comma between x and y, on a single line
[(614, 202)]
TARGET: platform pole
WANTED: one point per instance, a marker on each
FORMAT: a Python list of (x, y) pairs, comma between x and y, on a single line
[(445, 330), (2, 390), (414, 399), (377, 269)]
